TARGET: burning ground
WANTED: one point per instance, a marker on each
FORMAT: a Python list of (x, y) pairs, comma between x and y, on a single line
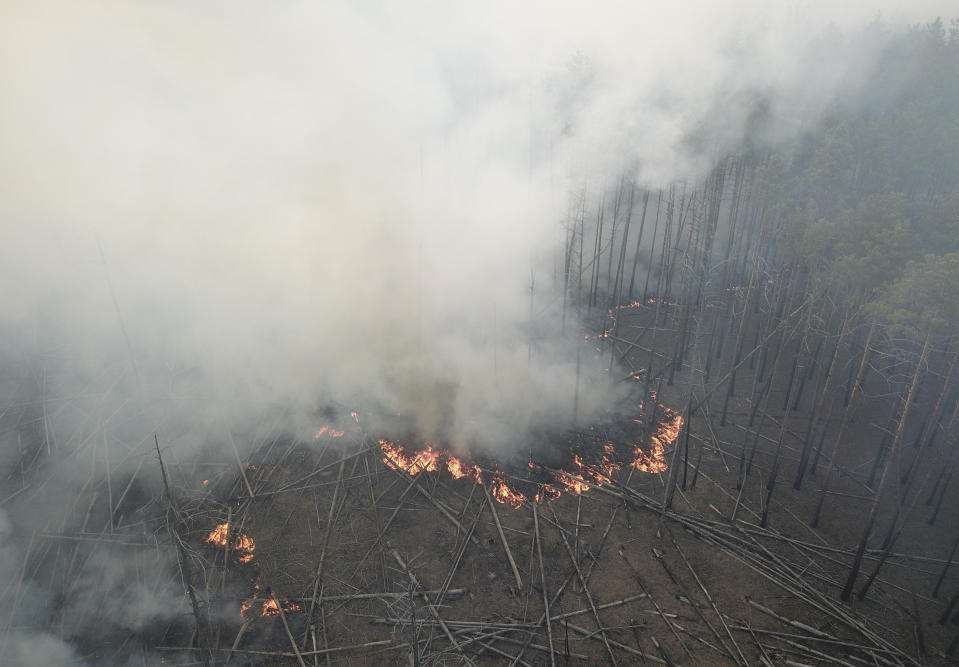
[(405, 491), (578, 462)]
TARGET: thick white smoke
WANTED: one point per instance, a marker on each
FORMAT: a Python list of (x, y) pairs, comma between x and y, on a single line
[(267, 206)]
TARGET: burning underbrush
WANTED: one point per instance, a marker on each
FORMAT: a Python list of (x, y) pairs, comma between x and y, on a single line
[(574, 462), (554, 463), (242, 548), (619, 429), (562, 461), (310, 534)]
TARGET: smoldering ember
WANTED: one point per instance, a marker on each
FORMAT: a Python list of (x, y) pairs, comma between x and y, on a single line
[(479, 333)]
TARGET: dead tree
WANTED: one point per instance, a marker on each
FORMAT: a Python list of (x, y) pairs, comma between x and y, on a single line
[(824, 489), (874, 507)]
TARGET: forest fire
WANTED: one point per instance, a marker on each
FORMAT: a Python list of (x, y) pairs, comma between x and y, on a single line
[(269, 606), (612, 313), (428, 459), (503, 493), (243, 545), (329, 431), (577, 478), (580, 473), (272, 607)]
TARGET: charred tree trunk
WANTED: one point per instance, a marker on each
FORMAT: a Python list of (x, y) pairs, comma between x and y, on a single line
[(731, 391), (926, 430), (690, 276), (874, 507), (816, 416), (617, 285), (652, 247), (938, 426), (777, 460), (671, 481), (760, 402), (842, 429), (639, 245), (945, 569), (597, 252), (942, 482), (617, 205)]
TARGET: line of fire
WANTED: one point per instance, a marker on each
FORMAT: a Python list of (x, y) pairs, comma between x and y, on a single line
[(579, 460)]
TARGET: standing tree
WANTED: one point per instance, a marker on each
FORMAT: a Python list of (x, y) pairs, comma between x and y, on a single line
[(923, 303)]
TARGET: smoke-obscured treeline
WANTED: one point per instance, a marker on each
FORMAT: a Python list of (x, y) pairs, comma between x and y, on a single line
[(831, 262), (854, 199)]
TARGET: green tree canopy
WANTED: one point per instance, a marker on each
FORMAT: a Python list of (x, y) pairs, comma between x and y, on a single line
[(924, 299)]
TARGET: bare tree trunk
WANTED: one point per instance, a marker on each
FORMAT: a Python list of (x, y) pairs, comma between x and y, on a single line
[(618, 284), (816, 416), (874, 507), (652, 247), (597, 252), (742, 331), (774, 473), (925, 432), (639, 245), (617, 205), (945, 569), (842, 429)]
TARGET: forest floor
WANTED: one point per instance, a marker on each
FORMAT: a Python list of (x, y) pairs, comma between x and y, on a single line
[(685, 587)]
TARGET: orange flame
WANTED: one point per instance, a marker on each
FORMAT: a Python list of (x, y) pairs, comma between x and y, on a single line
[(327, 430), (547, 493), (425, 459), (243, 545), (271, 608), (571, 482), (611, 314), (217, 536), (580, 480), (666, 434), (503, 493), (458, 470)]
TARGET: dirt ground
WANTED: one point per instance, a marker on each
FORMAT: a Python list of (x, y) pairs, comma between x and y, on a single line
[(686, 587)]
